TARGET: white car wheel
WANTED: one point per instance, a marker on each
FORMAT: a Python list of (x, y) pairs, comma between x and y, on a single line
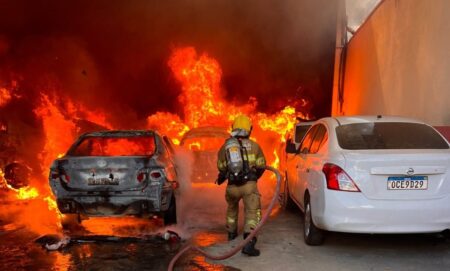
[(313, 235)]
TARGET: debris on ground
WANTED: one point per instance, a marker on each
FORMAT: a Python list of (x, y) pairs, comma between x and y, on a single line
[(53, 241)]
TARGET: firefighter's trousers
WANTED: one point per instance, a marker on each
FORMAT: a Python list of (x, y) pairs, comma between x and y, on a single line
[(252, 206)]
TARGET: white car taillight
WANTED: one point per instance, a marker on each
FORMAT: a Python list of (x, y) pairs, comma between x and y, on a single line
[(338, 179)]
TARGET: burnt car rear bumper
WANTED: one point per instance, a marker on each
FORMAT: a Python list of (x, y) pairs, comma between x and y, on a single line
[(152, 200)]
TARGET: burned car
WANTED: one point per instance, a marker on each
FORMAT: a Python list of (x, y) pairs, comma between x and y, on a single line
[(16, 171), (204, 143), (116, 173)]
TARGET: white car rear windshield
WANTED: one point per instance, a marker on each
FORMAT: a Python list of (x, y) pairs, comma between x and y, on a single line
[(300, 132), (389, 135), (114, 146)]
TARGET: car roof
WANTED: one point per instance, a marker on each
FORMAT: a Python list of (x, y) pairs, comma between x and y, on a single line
[(120, 133), (305, 123), (207, 131), (342, 120)]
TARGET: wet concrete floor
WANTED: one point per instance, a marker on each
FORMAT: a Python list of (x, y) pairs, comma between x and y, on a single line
[(23, 250), (281, 244)]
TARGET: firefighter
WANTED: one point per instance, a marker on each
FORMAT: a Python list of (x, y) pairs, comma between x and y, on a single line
[(241, 161)]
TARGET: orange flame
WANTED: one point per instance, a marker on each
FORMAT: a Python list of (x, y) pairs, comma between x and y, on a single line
[(22, 193), (60, 126), (51, 203), (3, 182), (59, 131), (203, 104), (27, 192), (202, 96), (5, 96), (169, 124), (280, 123), (275, 163)]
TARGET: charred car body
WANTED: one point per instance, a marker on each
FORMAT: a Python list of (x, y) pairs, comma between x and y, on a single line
[(116, 173), (204, 143), (15, 149)]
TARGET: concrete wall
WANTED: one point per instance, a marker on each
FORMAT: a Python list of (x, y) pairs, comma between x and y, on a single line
[(398, 63)]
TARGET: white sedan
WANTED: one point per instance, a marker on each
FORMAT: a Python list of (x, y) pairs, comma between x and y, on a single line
[(371, 174)]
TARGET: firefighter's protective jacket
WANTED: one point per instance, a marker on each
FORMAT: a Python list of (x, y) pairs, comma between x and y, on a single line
[(253, 155)]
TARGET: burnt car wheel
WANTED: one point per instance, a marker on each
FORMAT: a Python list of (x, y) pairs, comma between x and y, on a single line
[(17, 174), (170, 216)]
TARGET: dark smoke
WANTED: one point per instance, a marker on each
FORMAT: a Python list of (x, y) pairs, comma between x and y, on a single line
[(113, 54)]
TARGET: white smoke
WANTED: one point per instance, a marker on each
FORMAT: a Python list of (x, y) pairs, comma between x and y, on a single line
[(199, 206)]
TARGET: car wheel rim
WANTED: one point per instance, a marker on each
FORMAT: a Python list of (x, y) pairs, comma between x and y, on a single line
[(307, 219)]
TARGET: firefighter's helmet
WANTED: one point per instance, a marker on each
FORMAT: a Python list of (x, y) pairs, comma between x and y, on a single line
[(242, 122)]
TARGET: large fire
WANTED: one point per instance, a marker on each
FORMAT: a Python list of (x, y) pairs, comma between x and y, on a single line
[(203, 105), (202, 102)]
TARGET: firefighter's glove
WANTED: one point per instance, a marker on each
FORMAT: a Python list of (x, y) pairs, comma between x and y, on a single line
[(221, 179), (257, 172)]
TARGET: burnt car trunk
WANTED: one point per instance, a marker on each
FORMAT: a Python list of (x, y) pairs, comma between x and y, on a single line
[(104, 173)]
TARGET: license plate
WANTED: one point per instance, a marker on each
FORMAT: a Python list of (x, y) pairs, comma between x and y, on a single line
[(102, 181), (407, 183)]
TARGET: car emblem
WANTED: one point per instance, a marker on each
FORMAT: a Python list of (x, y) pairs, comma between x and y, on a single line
[(410, 172), (101, 163)]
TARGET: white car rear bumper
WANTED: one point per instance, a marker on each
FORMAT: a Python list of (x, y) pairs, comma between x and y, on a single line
[(352, 212)]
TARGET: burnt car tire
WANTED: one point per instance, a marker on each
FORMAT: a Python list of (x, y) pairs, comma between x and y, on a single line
[(313, 235), (17, 175), (170, 216)]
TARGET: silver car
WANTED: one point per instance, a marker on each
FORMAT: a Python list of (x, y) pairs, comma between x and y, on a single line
[(116, 173)]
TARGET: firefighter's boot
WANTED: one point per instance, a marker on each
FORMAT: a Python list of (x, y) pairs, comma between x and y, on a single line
[(232, 235), (249, 249)]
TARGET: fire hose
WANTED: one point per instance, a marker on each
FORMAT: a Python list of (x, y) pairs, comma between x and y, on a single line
[(233, 251)]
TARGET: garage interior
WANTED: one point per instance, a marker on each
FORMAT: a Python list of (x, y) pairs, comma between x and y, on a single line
[(67, 68)]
